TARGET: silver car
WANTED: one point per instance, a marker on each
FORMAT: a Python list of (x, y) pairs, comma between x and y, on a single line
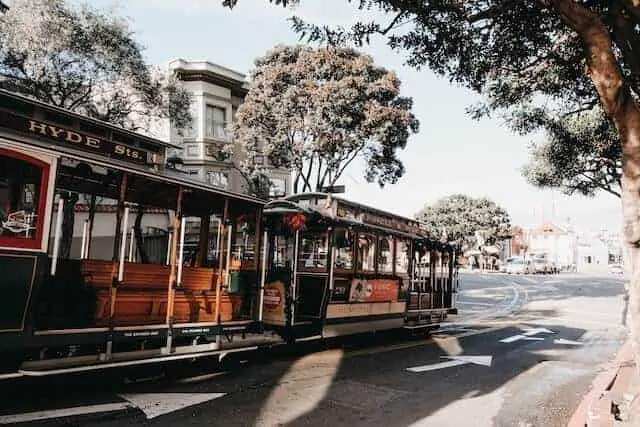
[(519, 266)]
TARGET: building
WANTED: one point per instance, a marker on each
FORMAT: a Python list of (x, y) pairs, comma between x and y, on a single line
[(3, 7), (216, 92), (558, 245)]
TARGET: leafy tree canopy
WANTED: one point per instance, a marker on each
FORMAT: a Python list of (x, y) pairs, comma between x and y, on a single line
[(582, 154), (87, 61), (529, 60), (316, 110), (460, 217)]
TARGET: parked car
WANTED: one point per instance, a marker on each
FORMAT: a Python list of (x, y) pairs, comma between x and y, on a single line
[(541, 266), (519, 266), (616, 269)]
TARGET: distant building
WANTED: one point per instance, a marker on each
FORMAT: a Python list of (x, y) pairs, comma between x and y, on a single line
[(556, 244), (3, 7), (216, 92)]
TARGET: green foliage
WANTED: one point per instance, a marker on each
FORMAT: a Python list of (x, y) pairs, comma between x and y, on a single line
[(527, 57), (460, 217), (87, 61), (316, 110), (582, 154)]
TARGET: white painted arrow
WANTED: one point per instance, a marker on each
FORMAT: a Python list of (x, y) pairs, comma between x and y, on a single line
[(562, 341), (156, 404), (454, 361), (527, 335), (520, 338), (536, 331)]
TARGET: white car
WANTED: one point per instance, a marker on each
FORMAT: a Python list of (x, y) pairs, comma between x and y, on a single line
[(519, 266)]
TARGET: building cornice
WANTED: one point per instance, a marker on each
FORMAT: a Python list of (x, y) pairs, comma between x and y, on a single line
[(209, 72)]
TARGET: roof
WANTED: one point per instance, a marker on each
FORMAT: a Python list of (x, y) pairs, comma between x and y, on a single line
[(209, 72), (292, 204), (549, 228), (18, 103)]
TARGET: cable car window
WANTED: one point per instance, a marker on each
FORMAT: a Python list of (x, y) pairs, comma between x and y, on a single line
[(282, 251), (385, 254), (402, 256), (366, 252), (313, 250), (22, 184), (344, 249)]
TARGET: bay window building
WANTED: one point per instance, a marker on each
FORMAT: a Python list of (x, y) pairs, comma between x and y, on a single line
[(216, 93)]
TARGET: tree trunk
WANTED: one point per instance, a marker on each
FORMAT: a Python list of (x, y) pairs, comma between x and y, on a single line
[(616, 100)]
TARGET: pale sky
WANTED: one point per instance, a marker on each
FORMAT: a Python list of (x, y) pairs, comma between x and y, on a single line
[(450, 154)]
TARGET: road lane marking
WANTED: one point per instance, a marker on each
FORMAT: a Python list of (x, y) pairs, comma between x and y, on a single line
[(476, 303), (528, 335), (63, 413), (454, 361), (562, 341), (156, 404), (377, 350), (151, 404)]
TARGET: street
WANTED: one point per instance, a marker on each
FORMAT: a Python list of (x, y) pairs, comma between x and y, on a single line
[(522, 352)]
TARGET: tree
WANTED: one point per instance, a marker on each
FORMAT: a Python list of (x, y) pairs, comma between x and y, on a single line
[(581, 155), (316, 110), (460, 217), (534, 59), (86, 61)]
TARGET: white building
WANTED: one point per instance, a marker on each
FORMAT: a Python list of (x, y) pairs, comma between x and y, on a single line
[(593, 253), (216, 92), (556, 244)]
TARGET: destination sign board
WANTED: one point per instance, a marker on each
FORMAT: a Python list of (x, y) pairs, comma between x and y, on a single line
[(72, 138)]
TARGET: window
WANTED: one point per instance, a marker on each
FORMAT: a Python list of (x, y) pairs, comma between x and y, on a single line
[(313, 251), (281, 251), (366, 252), (278, 187), (23, 185), (344, 249), (402, 256), (219, 179), (215, 122), (244, 246), (385, 254)]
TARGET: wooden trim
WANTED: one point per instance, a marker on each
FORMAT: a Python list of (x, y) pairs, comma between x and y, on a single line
[(173, 272)]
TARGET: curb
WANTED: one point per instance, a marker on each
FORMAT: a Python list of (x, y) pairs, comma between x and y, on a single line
[(600, 406)]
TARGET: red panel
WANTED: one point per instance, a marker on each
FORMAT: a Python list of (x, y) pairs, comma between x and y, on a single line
[(35, 242)]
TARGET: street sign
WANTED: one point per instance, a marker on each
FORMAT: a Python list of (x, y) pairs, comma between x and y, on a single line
[(454, 361)]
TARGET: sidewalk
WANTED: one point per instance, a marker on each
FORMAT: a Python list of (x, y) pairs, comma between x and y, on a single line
[(614, 397)]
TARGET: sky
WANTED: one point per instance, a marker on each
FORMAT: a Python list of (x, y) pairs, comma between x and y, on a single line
[(451, 154)]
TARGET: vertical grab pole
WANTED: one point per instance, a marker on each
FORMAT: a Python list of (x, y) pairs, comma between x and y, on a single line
[(123, 244), (227, 279), (332, 260), (169, 240), (57, 237), (294, 279), (131, 241), (263, 273), (85, 229), (181, 252), (173, 244)]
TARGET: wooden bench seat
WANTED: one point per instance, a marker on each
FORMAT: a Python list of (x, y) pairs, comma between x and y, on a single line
[(142, 297)]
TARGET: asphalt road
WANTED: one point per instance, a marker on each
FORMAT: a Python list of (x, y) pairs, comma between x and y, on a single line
[(522, 352)]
